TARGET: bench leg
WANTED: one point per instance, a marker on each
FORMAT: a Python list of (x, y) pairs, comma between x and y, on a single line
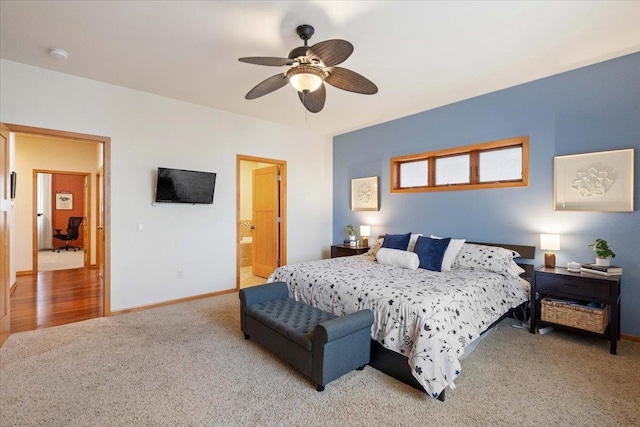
[(246, 337), (320, 388)]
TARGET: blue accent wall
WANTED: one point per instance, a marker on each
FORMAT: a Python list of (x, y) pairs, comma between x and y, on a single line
[(595, 108)]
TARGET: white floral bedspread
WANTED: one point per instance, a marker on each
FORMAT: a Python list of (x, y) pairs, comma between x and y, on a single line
[(427, 316)]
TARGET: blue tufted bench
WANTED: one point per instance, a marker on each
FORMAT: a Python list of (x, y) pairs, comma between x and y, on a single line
[(319, 344)]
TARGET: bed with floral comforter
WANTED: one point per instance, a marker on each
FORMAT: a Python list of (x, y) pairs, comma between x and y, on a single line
[(429, 317)]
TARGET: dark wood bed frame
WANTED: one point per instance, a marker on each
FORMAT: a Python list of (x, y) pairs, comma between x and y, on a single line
[(397, 366)]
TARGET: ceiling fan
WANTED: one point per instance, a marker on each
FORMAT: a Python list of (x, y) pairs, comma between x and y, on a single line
[(309, 68)]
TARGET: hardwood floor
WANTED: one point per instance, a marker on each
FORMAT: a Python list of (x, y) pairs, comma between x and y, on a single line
[(53, 298)]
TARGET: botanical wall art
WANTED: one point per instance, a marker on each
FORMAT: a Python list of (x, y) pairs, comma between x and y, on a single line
[(364, 194), (600, 181), (64, 201)]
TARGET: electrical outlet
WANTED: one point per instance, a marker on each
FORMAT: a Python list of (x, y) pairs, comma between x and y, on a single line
[(180, 274)]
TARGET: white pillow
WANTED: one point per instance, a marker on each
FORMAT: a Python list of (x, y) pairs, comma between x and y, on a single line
[(398, 258), (513, 269), (492, 258), (412, 241), (451, 253)]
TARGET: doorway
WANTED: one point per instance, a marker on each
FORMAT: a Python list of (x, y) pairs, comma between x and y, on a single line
[(260, 218), (62, 200), (85, 286)]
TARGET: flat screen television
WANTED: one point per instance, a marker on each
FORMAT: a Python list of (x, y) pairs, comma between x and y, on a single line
[(184, 186)]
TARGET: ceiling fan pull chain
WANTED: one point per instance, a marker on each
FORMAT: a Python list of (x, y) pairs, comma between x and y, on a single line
[(306, 112)]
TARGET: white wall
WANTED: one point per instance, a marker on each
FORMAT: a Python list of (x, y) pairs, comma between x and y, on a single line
[(148, 131)]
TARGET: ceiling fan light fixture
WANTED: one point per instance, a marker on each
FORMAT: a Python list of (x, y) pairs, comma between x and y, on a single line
[(309, 69), (305, 78)]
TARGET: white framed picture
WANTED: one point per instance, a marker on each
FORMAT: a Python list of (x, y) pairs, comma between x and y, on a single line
[(364, 194), (64, 201), (601, 181)]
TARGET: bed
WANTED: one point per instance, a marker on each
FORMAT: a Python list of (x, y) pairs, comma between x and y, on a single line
[(423, 320)]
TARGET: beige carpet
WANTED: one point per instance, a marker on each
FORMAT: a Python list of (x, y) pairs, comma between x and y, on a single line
[(63, 260), (188, 364)]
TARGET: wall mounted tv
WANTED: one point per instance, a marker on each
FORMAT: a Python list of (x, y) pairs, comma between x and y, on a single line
[(184, 186)]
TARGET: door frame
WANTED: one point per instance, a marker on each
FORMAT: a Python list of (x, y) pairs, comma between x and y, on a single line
[(106, 164), (86, 213), (99, 221), (5, 235), (282, 200)]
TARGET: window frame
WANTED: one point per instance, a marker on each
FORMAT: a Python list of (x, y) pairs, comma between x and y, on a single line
[(474, 176)]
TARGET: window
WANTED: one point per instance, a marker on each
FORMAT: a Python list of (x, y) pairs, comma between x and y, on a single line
[(495, 164)]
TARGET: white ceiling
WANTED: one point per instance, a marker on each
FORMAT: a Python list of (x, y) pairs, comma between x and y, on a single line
[(421, 55)]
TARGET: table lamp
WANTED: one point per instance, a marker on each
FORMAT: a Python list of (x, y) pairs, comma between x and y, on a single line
[(550, 242), (365, 232)]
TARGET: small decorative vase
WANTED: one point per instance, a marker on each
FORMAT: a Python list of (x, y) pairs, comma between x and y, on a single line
[(603, 262), (352, 241)]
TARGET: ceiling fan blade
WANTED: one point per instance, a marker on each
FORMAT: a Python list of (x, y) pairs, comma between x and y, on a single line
[(266, 60), (314, 101), (331, 52), (267, 86), (345, 79)]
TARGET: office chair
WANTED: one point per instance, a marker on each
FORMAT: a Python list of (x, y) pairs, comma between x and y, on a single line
[(72, 233)]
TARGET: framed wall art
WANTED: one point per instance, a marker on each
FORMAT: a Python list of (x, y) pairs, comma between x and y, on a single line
[(601, 181), (64, 201), (364, 194)]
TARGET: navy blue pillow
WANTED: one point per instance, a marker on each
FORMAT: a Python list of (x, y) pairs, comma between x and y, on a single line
[(431, 252), (396, 241)]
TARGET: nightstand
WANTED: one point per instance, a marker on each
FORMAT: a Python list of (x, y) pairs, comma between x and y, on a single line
[(560, 282), (346, 250)]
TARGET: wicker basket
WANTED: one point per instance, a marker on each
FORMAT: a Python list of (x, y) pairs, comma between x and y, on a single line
[(590, 319)]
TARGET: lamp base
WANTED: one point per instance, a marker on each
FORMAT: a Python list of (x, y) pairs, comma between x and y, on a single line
[(365, 242), (550, 260)]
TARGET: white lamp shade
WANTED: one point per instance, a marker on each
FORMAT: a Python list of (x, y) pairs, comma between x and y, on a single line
[(365, 230), (550, 242)]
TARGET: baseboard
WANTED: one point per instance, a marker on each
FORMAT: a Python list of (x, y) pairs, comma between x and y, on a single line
[(628, 337), (174, 301), (24, 273)]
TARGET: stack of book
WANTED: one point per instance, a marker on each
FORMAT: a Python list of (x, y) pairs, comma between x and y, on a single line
[(611, 270)]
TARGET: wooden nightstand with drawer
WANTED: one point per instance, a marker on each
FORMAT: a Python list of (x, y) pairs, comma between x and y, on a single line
[(346, 250), (559, 282)]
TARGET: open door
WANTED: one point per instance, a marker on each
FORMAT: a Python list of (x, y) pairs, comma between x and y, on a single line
[(266, 217), (5, 197)]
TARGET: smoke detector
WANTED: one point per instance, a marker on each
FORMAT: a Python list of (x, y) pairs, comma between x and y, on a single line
[(58, 53)]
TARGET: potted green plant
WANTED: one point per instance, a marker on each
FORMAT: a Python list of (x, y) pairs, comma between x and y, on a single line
[(352, 235), (603, 252)]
